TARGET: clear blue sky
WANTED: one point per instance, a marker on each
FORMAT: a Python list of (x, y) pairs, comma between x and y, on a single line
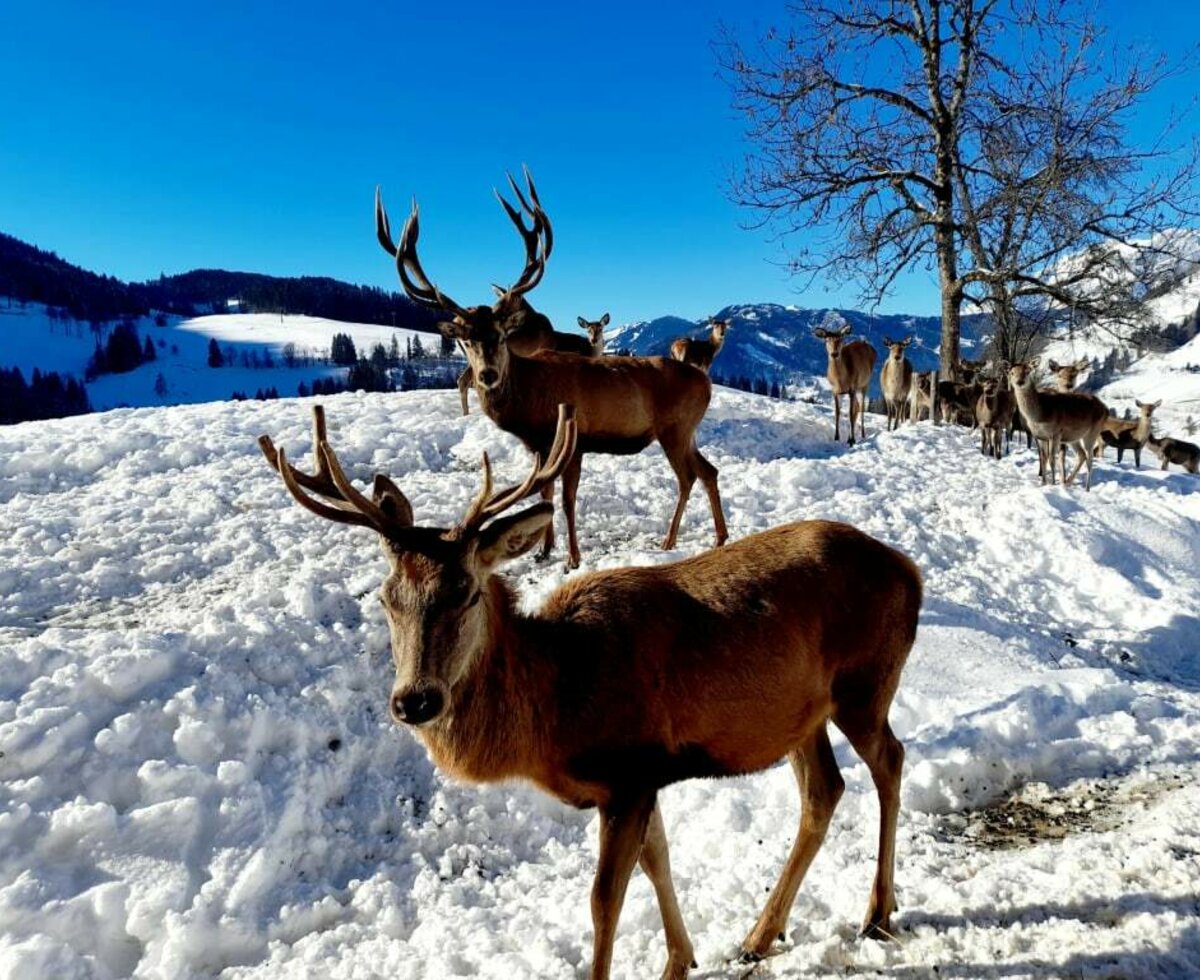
[(148, 137)]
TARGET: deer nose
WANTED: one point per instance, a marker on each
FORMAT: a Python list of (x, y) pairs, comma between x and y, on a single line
[(488, 377), (418, 704)]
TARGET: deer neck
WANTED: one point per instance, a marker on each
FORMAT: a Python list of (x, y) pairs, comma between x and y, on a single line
[(1142, 431), (494, 729), (1030, 402)]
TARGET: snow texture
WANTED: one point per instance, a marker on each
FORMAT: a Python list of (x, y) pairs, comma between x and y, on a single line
[(198, 775)]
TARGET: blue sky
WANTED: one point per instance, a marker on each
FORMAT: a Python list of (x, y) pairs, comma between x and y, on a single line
[(158, 137)]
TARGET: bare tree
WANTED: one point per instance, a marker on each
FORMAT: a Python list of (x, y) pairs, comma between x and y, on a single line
[(956, 134)]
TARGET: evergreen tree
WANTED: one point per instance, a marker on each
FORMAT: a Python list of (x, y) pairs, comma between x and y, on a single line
[(215, 360)]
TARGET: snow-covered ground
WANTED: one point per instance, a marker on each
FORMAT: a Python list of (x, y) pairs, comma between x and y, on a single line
[(30, 339), (198, 775)]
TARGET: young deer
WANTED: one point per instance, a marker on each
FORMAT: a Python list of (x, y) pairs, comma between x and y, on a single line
[(992, 414), (628, 680), (701, 353), (1177, 451), (849, 373), (1125, 434), (921, 395), (896, 380), (623, 403), (1056, 417), (595, 332)]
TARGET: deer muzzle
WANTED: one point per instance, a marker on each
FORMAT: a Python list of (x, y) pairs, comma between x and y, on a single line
[(420, 703)]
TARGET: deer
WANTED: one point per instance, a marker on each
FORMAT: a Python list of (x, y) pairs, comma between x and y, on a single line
[(1056, 417), (991, 417), (957, 399), (1125, 434), (628, 680), (701, 353), (896, 379), (528, 330), (1177, 451), (623, 403), (1067, 375), (595, 333), (849, 372), (921, 395)]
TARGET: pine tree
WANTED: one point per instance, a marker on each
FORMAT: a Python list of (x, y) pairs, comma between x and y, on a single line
[(215, 360)]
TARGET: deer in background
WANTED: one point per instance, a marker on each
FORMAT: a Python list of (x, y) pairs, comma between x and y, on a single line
[(1124, 434), (1056, 417), (922, 394), (701, 353), (527, 330), (994, 411), (1177, 451), (622, 403), (849, 372), (595, 333), (630, 679), (957, 399), (896, 379)]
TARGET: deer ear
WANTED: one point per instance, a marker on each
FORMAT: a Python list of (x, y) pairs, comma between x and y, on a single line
[(604, 320), (391, 501), (510, 537), (582, 322), (454, 329)]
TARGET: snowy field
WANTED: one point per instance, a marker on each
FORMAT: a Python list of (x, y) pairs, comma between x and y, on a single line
[(198, 775), (30, 339)]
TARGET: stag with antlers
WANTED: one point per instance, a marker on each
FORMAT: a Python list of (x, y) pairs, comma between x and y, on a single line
[(623, 403), (628, 680)]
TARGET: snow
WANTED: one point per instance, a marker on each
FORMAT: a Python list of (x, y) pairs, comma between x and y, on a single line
[(198, 775), (30, 339)]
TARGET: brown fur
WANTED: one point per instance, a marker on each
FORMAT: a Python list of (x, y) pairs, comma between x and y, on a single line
[(701, 353), (1055, 417), (849, 373), (1177, 451), (1124, 434)]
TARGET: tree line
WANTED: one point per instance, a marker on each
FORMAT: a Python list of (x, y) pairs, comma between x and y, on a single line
[(44, 396)]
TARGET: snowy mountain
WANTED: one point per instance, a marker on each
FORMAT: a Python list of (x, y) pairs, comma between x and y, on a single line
[(775, 343), (198, 775)]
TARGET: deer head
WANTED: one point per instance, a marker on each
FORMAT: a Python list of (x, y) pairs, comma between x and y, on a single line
[(483, 330), (833, 339), (594, 329), (896, 348), (1020, 373), (1147, 408), (719, 329), (435, 595), (1067, 375)]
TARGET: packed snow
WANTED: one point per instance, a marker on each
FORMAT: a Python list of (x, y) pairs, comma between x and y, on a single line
[(198, 775)]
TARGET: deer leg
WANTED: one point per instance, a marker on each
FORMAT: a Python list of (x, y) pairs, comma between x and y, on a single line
[(1079, 453), (682, 463), (837, 418), (875, 744), (1084, 452), (656, 863), (548, 538), (862, 414), (708, 476), (850, 398), (465, 380), (623, 825), (821, 787), (570, 485), (1137, 457)]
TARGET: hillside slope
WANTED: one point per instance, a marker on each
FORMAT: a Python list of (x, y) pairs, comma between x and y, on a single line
[(198, 776)]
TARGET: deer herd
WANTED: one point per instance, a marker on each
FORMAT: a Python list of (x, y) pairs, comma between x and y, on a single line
[(630, 679)]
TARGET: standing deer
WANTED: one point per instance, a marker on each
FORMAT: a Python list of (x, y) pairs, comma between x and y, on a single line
[(849, 373), (623, 403), (628, 680), (595, 332), (701, 353), (896, 379), (921, 395), (1057, 417), (989, 411), (1177, 451), (1122, 434)]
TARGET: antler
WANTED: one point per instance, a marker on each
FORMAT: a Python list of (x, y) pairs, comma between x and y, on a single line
[(539, 239), (488, 504), (417, 286), (389, 513)]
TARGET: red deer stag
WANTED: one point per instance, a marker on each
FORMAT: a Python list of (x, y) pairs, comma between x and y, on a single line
[(595, 332), (623, 403), (528, 330), (1055, 417), (896, 379), (849, 373), (630, 679), (701, 353)]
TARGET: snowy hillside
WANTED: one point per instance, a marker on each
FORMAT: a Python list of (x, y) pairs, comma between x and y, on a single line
[(198, 775), (30, 339)]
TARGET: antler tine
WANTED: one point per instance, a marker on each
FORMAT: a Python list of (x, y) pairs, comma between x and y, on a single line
[(539, 210), (320, 482), (539, 239), (383, 229), (367, 507), (487, 504), (342, 515)]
